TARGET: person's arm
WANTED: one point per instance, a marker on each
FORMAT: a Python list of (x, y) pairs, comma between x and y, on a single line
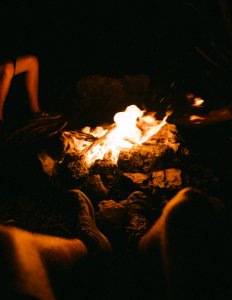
[(214, 116)]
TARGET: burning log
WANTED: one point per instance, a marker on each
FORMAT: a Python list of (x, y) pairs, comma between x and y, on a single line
[(157, 153), (157, 166), (111, 162)]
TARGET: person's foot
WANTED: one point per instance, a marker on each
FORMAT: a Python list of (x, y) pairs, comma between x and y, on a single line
[(93, 238), (46, 115), (138, 217)]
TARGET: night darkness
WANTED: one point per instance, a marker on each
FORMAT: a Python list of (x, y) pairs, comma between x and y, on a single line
[(96, 37), (73, 40)]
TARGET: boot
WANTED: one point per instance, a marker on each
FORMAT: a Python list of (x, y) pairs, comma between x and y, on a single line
[(138, 211)]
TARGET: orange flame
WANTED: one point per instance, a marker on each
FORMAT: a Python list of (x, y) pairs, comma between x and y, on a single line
[(198, 101), (194, 101), (131, 127)]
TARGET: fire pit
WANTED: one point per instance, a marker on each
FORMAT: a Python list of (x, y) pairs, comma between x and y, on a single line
[(136, 152)]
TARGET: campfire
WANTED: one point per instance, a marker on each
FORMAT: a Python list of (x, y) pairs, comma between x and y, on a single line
[(130, 128), (135, 152)]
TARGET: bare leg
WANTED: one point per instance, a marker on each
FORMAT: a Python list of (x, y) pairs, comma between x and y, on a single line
[(36, 264), (6, 74), (189, 233), (28, 261), (30, 66)]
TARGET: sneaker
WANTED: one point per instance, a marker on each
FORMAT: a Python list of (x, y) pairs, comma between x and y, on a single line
[(46, 115), (96, 242), (138, 216)]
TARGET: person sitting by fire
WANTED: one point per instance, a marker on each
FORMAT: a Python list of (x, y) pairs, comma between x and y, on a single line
[(187, 236), (13, 66), (202, 78), (214, 116)]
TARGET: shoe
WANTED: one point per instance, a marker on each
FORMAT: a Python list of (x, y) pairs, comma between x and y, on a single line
[(95, 241), (46, 115), (138, 212)]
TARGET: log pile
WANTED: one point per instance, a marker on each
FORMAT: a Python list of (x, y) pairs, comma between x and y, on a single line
[(152, 166)]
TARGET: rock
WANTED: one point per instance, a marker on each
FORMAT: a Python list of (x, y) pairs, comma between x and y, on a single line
[(159, 152), (167, 179), (105, 96), (95, 187), (137, 178), (158, 179)]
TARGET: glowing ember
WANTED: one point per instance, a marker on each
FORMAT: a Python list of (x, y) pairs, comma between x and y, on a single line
[(131, 128), (194, 101), (198, 101)]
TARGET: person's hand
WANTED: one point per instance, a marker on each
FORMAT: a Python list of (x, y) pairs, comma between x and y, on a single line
[(189, 121), (197, 120), (214, 116)]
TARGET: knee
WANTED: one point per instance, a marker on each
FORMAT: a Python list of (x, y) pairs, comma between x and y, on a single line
[(192, 199), (3, 232), (8, 71), (33, 62), (8, 233), (193, 218)]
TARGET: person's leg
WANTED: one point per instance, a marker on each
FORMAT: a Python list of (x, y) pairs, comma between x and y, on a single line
[(6, 74), (189, 234), (82, 211), (22, 270), (141, 273), (138, 212), (36, 264), (29, 65), (29, 262)]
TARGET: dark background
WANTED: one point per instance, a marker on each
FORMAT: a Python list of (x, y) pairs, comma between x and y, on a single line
[(75, 39)]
